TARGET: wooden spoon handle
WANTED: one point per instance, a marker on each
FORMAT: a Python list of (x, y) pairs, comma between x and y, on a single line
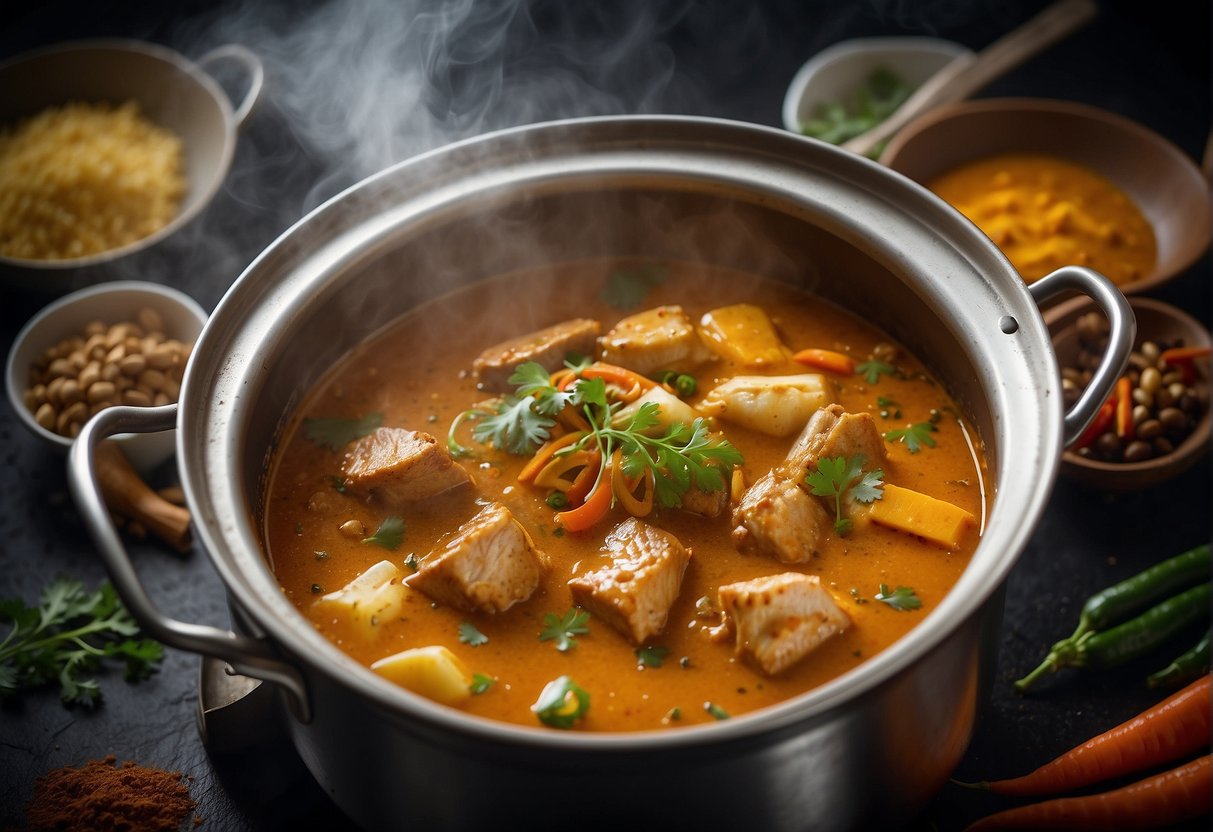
[(966, 74), (126, 493)]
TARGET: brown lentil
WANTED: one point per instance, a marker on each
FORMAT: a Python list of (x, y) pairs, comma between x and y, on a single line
[(1165, 410), (104, 366)]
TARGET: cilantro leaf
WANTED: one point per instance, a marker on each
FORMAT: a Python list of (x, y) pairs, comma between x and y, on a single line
[(335, 434), (480, 683), (390, 533), (873, 370), (839, 477), (532, 380), (901, 599), (651, 656), (575, 622), (67, 637), (914, 436), (469, 635), (515, 428), (627, 288)]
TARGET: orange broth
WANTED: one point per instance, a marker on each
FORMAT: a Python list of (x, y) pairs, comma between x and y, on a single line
[(418, 376)]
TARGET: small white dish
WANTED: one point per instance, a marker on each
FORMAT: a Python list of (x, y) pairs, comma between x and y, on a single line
[(66, 317), (838, 72)]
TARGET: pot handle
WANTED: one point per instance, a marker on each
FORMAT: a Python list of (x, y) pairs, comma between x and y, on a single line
[(247, 656), (1123, 333), (252, 67)]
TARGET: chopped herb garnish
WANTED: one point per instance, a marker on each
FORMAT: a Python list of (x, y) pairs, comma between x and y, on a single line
[(66, 637), (298, 528), (469, 635), (715, 710), (651, 656), (317, 589), (335, 434), (873, 370), (338, 483), (411, 563), (480, 683), (515, 428), (882, 92), (557, 500), (321, 554), (684, 662), (561, 703), (627, 288), (672, 715), (390, 533), (575, 622), (914, 436), (859, 599), (901, 599), (839, 477)]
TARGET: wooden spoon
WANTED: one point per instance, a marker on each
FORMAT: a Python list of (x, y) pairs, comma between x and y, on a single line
[(967, 73)]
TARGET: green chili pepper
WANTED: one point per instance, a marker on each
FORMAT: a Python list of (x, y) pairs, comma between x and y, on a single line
[(557, 499), (561, 703), (1116, 603), (1125, 641), (1185, 668)]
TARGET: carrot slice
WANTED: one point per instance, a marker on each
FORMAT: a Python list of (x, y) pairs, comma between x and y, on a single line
[(584, 481), (1103, 419), (620, 376), (1175, 796), (1124, 408), (828, 360), (544, 455), (625, 487), (596, 506), (1177, 354), (1170, 730)]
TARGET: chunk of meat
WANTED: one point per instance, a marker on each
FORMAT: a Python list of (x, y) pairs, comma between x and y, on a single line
[(397, 466), (663, 338), (832, 432), (777, 517), (548, 347), (489, 564), (705, 503), (780, 619), (634, 593)]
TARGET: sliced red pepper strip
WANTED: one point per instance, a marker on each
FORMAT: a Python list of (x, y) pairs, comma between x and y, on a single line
[(1103, 419), (828, 360)]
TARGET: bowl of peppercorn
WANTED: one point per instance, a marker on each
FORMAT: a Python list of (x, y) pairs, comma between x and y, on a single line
[(1156, 423)]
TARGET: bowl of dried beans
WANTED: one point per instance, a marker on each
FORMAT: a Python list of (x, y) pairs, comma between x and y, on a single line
[(1156, 423)]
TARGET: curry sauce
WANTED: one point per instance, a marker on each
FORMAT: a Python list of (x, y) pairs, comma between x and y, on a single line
[(417, 375)]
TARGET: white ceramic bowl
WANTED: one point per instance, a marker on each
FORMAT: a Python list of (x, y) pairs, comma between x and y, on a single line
[(111, 303), (837, 72)]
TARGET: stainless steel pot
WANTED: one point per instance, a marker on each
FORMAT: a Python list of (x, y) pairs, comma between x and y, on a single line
[(878, 740)]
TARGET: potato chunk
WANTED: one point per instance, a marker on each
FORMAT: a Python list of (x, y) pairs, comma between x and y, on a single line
[(774, 405), (743, 333), (780, 619), (374, 596), (433, 672)]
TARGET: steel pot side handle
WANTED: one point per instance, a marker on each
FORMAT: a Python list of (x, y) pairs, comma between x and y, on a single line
[(1123, 324), (247, 656), (252, 67)]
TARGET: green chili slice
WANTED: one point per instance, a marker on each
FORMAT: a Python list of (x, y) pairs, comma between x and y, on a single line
[(561, 703)]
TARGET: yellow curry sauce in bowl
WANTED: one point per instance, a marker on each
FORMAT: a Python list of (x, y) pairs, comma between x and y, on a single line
[(1056, 183), (325, 533)]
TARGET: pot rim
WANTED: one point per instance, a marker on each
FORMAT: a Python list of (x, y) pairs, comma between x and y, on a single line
[(1004, 537)]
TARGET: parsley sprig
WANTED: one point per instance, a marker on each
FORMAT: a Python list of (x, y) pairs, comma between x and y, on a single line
[(914, 436), (65, 639), (873, 370), (390, 533), (902, 599), (839, 477), (561, 629)]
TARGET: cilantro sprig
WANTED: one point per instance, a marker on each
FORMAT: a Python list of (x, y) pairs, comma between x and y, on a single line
[(839, 477), (390, 533), (902, 599), (914, 436), (469, 635), (653, 655), (66, 638), (873, 370), (335, 434), (562, 629)]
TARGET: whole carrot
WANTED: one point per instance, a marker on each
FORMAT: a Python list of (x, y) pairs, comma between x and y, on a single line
[(1175, 796), (1174, 728)]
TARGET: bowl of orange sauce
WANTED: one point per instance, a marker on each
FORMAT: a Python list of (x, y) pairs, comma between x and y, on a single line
[(1055, 183)]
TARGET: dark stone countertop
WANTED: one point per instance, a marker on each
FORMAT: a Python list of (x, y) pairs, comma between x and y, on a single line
[(1149, 62)]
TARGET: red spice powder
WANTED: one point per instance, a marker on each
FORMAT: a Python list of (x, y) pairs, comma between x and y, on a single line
[(107, 798)]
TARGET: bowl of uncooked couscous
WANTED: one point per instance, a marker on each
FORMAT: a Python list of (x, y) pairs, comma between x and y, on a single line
[(106, 148)]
